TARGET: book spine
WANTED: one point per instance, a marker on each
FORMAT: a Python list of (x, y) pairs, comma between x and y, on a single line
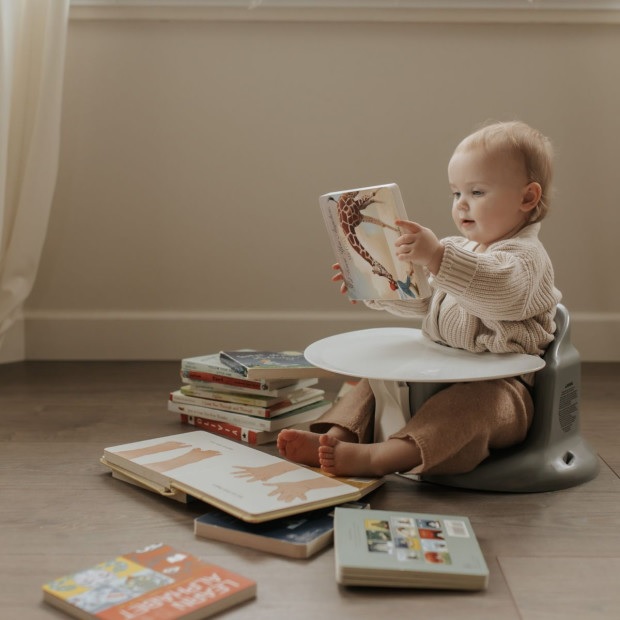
[(232, 431), (240, 419), (184, 399), (281, 408), (235, 389), (228, 396), (210, 377)]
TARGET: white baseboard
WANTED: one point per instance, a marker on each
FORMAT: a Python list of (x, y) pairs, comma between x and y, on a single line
[(174, 335), (13, 344), (596, 335)]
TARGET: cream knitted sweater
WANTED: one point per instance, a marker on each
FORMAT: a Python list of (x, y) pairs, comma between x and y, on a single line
[(501, 300)]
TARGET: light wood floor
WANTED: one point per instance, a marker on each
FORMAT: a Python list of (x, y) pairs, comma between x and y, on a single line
[(551, 555)]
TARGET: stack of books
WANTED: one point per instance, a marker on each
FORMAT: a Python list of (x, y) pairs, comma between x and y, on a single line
[(249, 396)]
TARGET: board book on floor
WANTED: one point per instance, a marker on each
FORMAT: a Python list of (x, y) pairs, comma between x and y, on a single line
[(361, 225), (233, 431), (295, 536), (250, 484), (308, 413), (304, 397), (261, 387), (257, 365), (209, 369), (384, 548), (250, 405), (156, 581)]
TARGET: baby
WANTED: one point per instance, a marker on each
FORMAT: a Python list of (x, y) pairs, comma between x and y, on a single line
[(492, 290)]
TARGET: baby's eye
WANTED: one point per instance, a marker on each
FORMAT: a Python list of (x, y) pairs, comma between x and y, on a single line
[(456, 195), (477, 192)]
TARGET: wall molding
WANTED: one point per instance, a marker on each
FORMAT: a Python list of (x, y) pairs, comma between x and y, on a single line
[(56, 335), (436, 11)]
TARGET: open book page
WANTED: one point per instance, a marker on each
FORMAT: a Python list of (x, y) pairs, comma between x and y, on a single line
[(241, 480)]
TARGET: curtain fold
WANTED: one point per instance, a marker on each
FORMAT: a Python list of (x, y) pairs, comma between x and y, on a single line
[(33, 37)]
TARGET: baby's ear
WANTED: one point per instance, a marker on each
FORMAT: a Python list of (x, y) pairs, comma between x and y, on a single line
[(531, 196)]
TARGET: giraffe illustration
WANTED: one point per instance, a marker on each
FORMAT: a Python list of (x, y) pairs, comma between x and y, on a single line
[(350, 206)]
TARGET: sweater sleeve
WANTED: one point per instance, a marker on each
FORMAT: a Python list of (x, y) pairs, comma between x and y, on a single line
[(502, 283), (408, 308)]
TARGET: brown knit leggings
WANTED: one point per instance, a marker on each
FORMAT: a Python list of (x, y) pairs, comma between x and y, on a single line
[(455, 429)]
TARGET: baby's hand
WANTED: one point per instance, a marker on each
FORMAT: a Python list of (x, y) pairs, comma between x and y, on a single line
[(419, 245), (264, 472), (340, 278)]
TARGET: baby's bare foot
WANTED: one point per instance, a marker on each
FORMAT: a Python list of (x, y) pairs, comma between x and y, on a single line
[(341, 458), (299, 446)]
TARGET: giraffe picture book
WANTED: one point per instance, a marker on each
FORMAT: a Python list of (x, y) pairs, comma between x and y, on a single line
[(244, 481), (361, 227)]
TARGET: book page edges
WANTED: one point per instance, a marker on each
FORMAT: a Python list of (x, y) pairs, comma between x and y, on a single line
[(361, 488), (132, 478)]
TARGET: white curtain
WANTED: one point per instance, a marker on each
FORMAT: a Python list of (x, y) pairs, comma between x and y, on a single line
[(32, 56)]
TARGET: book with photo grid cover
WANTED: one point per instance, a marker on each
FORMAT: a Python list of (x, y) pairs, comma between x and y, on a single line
[(384, 548)]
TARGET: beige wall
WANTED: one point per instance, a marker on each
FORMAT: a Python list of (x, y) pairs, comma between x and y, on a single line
[(185, 218)]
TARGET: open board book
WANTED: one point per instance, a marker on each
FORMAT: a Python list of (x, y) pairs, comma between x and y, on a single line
[(239, 479), (385, 548), (157, 581), (361, 227)]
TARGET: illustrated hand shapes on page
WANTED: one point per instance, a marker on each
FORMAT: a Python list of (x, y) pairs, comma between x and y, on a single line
[(187, 458), (154, 449), (284, 491)]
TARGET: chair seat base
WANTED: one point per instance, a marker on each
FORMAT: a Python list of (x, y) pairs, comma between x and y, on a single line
[(559, 466)]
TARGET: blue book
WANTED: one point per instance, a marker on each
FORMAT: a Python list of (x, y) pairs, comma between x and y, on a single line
[(296, 536)]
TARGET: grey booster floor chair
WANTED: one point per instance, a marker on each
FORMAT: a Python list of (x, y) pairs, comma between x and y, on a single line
[(553, 456)]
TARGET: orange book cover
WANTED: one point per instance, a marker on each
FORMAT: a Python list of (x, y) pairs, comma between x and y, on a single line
[(154, 583)]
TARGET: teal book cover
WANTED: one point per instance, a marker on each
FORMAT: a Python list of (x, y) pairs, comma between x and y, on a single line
[(386, 548)]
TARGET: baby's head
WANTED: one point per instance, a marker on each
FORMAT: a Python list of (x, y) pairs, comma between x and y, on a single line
[(518, 141)]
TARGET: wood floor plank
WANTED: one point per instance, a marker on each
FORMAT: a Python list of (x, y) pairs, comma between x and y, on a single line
[(552, 588)]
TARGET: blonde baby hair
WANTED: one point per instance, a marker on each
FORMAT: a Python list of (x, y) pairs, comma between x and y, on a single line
[(524, 142)]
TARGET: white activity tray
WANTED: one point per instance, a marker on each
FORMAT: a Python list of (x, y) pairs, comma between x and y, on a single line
[(405, 354)]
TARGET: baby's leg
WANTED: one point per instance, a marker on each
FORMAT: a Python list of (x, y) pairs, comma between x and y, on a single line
[(458, 427), (354, 411), (372, 459), (303, 446)]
